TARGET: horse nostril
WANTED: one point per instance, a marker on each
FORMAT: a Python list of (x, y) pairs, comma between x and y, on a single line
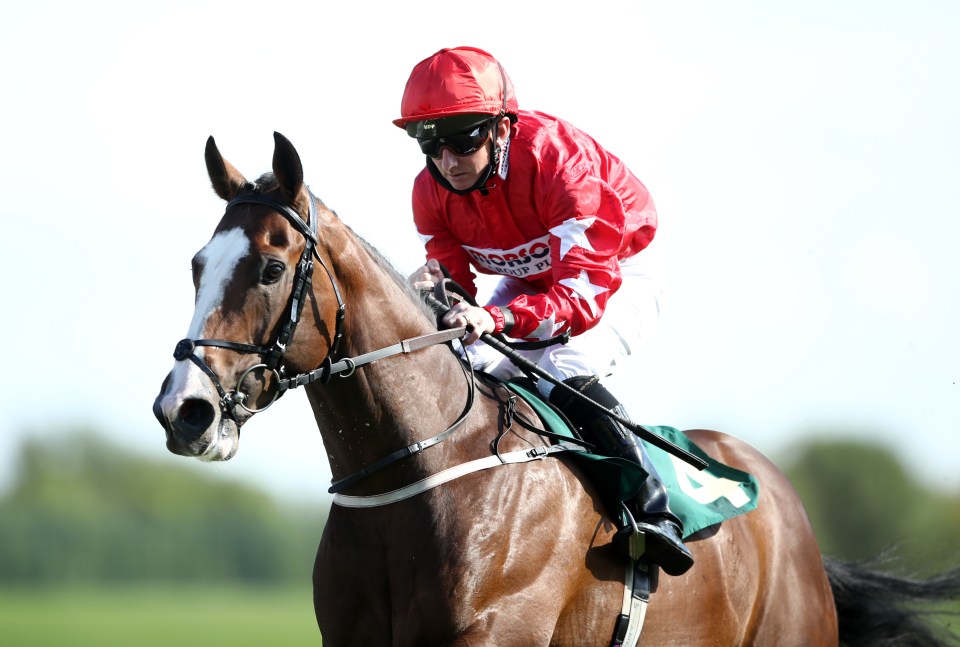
[(194, 417)]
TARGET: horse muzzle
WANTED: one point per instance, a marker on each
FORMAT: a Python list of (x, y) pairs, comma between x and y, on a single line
[(195, 425)]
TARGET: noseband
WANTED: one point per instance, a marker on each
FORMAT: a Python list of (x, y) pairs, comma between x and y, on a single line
[(272, 354)]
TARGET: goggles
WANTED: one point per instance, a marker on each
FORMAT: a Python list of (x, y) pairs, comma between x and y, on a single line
[(462, 143)]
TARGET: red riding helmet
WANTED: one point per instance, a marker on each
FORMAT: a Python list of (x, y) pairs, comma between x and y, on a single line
[(465, 83)]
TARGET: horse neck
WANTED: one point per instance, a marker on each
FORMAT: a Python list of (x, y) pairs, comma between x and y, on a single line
[(392, 402)]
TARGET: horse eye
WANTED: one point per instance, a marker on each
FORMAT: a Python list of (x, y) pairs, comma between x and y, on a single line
[(272, 272)]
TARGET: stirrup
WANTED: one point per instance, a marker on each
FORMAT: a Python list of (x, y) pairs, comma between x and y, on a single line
[(672, 557), (636, 543)]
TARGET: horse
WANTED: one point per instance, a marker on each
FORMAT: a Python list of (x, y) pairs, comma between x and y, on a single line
[(519, 554)]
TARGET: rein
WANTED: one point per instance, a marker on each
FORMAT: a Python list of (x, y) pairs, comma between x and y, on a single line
[(346, 366)]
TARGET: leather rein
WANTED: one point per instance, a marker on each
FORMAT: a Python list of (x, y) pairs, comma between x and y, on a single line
[(273, 353)]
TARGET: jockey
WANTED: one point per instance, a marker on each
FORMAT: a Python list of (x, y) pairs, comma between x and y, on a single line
[(529, 197)]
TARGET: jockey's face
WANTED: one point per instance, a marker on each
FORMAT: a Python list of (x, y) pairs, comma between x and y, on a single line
[(463, 171)]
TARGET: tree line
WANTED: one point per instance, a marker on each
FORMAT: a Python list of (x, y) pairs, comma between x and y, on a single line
[(863, 502), (83, 510)]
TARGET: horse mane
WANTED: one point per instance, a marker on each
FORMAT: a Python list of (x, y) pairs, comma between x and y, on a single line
[(394, 274)]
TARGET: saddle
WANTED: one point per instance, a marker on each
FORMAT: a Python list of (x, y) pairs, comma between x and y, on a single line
[(700, 498)]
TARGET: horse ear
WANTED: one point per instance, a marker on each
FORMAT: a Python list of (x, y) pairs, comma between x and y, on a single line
[(287, 168), (227, 181)]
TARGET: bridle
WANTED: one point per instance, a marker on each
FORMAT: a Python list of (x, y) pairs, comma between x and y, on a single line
[(273, 353)]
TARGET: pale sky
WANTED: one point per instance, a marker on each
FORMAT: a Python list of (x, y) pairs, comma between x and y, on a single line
[(804, 159)]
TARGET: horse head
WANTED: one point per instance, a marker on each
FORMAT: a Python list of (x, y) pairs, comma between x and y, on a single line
[(252, 283)]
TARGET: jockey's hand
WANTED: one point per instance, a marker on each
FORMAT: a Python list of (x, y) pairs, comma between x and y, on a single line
[(478, 321), (424, 278)]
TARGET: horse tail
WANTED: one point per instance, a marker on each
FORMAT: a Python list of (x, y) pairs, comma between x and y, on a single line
[(885, 610)]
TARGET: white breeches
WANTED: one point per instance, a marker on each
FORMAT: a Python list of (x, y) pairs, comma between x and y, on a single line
[(631, 318)]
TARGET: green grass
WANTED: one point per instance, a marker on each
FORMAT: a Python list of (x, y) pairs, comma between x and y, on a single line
[(157, 616), (183, 616)]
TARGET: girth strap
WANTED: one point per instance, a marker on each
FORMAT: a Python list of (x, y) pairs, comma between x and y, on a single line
[(636, 596)]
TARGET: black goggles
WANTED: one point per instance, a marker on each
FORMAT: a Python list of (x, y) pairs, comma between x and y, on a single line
[(462, 143)]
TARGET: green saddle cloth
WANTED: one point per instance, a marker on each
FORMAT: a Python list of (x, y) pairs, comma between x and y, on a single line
[(699, 498)]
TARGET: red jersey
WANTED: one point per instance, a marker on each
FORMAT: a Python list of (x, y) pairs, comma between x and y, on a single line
[(564, 216)]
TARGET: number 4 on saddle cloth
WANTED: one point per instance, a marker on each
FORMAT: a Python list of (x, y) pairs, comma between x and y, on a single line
[(699, 498)]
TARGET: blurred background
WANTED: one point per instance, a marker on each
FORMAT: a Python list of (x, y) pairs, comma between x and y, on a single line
[(803, 158)]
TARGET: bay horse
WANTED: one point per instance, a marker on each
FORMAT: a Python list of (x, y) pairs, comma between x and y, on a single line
[(517, 555)]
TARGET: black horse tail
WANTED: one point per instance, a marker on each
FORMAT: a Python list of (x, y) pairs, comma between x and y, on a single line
[(884, 610)]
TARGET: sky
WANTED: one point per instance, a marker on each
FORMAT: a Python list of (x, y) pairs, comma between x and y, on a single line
[(803, 158)]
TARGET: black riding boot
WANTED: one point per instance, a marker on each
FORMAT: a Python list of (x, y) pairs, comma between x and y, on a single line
[(662, 529)]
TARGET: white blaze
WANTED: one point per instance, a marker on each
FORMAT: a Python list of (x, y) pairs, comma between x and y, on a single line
[(220, 258)]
